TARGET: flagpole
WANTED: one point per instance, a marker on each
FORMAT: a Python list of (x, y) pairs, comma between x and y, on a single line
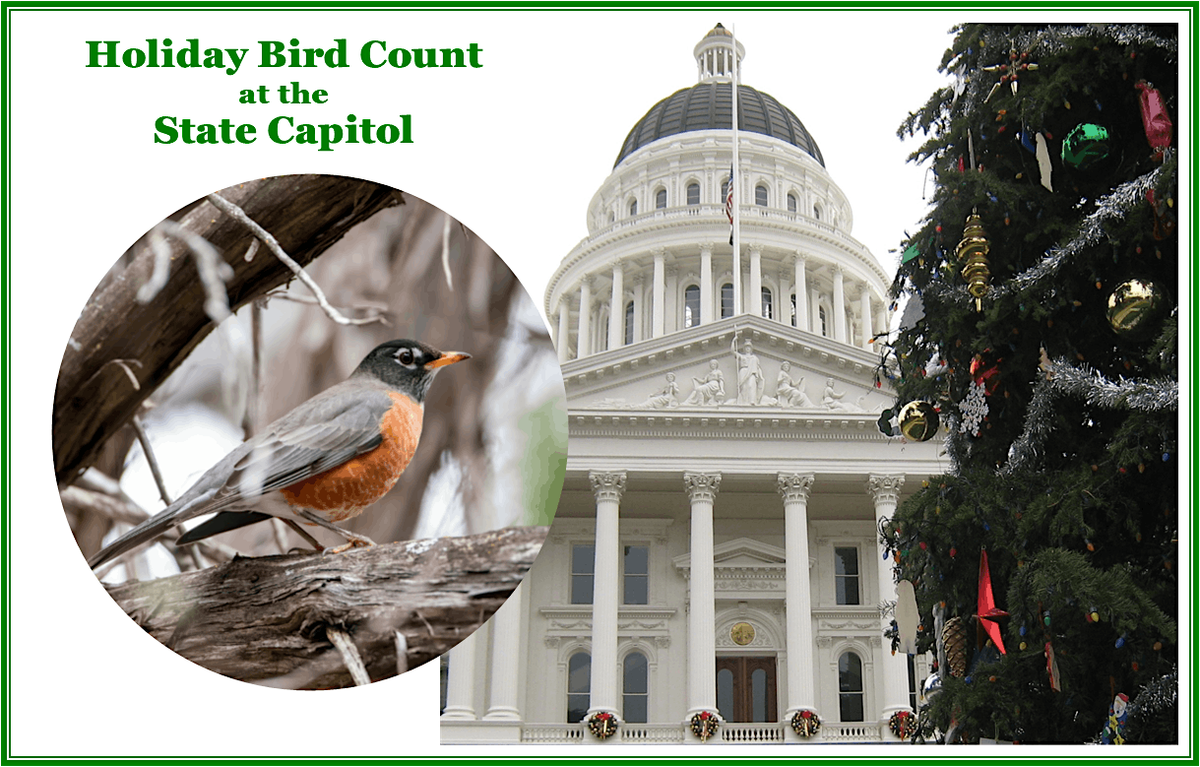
[(737, 194)]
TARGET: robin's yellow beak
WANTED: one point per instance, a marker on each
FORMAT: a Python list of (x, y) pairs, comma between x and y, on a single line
[(448, 358)]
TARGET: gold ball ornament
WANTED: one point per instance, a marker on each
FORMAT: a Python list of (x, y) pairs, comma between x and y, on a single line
[(918, 421), (1134, 307)]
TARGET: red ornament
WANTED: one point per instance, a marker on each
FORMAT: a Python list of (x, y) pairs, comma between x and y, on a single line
[(988, 612), (1155, 119)]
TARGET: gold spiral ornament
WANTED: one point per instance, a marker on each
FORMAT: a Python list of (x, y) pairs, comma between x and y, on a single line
[(972, 253)]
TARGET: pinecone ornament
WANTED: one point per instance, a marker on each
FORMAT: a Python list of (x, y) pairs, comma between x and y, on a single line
[(954, 639)]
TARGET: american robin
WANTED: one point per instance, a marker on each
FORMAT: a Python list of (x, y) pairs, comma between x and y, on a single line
[(324, 462)]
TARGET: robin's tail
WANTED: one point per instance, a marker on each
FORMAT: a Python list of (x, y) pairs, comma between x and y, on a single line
[(142, 534)]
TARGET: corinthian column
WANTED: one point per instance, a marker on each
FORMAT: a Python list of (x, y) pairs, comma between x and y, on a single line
[(795, 489), (460, 687), (885, 491), (839, 305), (506, 643), (659, 299), (706, 284), (583, 345), (564, 328), (616, 312), (702, 646), (608, 487)]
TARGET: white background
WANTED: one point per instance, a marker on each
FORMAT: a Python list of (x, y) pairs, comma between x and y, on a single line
[(514, 150)]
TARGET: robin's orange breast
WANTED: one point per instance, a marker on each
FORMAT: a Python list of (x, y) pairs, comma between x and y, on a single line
[(345, 491)]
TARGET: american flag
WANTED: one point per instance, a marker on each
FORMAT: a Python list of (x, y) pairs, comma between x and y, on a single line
[(729, 204)]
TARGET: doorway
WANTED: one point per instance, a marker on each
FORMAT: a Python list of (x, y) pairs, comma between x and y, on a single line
[(746, 689)]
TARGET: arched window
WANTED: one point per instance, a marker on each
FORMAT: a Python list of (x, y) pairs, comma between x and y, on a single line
[(725, 693), (768, 304), (691, 306), (821, 317), (628, 323), (579, 685), (760, 196), (693, 194), (724, 191), (633, 207), (794, 317), (791, 203), (850, 687), (727, 300), (817, 212), (660, 199), (636, 697)]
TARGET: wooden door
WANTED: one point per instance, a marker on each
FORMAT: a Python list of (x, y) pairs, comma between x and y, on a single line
[(746, 689)]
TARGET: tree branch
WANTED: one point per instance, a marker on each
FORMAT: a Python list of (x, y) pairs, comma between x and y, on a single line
[(306, 214), (268, 619)]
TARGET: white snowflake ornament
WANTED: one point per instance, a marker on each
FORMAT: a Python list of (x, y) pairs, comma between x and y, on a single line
[(974, 409)]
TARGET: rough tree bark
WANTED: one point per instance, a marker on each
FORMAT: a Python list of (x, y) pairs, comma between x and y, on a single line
[(94, 397), (265, 619)]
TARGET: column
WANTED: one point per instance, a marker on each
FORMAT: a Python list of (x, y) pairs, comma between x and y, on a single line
[(639, 308), (783, 301), (802, 318), (702, 645), (460, 687), (659, 298), (506, 644), (608, 488), (706, 284), (801, 693), (755, 304), (671, 301), (814, 308), (564, 328), (583, 346), (865, 307), (839, 305), (885, 491), (616, 312)]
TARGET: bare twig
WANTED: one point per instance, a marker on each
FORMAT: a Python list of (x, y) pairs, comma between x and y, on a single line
[(122, 364), (279, 532), (446, 250), (402, 653), (251, 251), (162, 267), (144, 439), (214, 272), (366, 306), (232, 210), (345, 645)]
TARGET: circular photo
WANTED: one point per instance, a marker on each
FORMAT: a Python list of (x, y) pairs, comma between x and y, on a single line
[(309, 431)]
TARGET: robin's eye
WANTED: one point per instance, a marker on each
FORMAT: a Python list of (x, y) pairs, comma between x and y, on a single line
[(405, 357)]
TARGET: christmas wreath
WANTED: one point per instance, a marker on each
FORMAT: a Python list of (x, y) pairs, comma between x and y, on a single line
[(902, 724), (602, 724), (705, 724), (806, 723)]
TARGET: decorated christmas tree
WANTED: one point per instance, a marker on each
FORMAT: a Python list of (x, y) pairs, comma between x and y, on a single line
[(1038, 341)]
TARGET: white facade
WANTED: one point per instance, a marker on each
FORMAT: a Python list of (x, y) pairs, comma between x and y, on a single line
[(715, 548)]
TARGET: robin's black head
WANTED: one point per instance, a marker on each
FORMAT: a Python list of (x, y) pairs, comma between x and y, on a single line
[(407, 366)]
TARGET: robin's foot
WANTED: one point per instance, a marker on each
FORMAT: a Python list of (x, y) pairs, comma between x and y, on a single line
[(351, 543)]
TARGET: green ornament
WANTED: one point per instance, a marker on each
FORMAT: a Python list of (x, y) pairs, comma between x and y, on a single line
[(885, 423), (910, 253), (1085, 145)]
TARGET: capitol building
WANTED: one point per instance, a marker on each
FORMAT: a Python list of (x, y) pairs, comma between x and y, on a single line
[(715, 555)]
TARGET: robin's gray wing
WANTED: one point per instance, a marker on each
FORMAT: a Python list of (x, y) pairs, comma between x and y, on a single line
[(324, 432)]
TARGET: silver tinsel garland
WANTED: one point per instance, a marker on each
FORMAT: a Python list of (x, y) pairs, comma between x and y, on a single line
[(1064, 379)]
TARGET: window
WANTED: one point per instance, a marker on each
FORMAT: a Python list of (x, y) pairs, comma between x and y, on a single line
[(760, 196), (691, 306), (791, 203), (821, 317), (633, 208), (727, 300), (845, 569), (817, 212), (693, 194), (660, 199), (628, 323), (768, 304), (583, 564), (636, 698), (636, 581), (579, 685), (794, 323), (850, 687), (912, 683)]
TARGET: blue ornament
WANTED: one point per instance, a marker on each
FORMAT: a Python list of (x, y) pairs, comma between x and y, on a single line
[(1120, 642), (1022, 631)]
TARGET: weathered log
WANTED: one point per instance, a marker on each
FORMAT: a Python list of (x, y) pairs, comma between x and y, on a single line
[(94, 397), (265, 619)]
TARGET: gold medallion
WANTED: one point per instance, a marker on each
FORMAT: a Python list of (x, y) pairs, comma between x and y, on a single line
[(742, 633)]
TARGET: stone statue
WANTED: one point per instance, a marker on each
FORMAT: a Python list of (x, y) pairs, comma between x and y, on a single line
[(832, 400), (665, 397), (709, 390), (750, 374), (789, 393)]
